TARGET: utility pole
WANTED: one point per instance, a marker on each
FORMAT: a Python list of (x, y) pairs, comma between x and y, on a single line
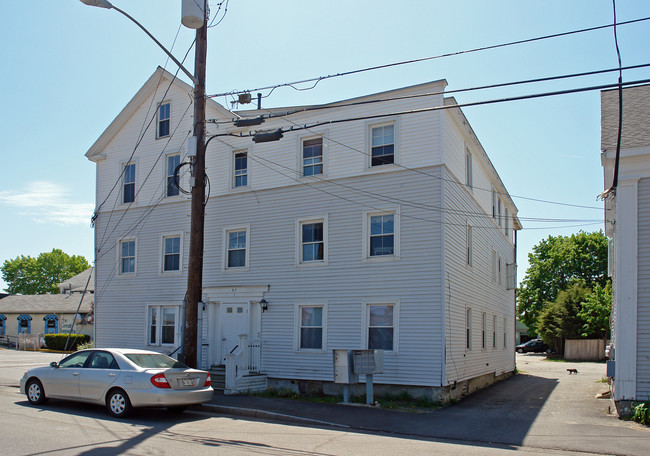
[(195, 263)]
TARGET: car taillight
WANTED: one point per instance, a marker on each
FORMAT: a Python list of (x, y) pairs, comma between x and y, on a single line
[(159, 381), (208, 382)]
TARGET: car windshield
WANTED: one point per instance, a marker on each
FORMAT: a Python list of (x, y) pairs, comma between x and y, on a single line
[(153, 360)]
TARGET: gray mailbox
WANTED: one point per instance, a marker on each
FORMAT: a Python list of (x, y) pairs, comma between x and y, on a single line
[(368, 361), (343, 367)]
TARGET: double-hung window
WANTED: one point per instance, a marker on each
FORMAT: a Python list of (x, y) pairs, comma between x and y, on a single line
[(172, 162), (163, 325), (311, 327), (382, 150), (236, 248), (312, 241), (128, 184), (505, 332), (468, 329), (127, 256), (382, 234), (3, 319), (171, 253), (469, 173), (381, 326), (164, 116), (494, 331), (483, 330), (240, 177), (312, 157), (470, 249)]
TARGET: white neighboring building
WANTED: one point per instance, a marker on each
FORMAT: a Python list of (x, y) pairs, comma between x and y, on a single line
[(392, 231), (627, 224)]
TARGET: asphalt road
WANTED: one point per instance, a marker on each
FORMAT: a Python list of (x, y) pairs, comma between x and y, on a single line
[(543, 410)]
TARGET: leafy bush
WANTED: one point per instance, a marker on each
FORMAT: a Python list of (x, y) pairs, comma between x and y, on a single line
[(642, 413), (58, 341), (86, 345)]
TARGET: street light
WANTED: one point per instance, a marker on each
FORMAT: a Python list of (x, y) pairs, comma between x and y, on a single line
[(108, 5), (195, 263)]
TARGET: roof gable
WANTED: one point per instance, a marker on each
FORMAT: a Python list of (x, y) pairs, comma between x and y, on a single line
[(146, 91)]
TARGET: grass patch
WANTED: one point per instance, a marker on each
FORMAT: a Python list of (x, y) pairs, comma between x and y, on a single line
[(556, 360), (402, 401)]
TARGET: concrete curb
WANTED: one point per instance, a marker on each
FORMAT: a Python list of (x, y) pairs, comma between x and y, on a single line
[(263, 414)]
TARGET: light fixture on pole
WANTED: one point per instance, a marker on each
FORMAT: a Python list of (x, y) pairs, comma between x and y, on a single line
[(193, 17), (108, 5)]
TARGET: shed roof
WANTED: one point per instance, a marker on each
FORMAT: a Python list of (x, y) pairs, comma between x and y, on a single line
[(78, 282)]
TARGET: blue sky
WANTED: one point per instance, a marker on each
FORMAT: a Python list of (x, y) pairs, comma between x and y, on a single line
[(68, 70)]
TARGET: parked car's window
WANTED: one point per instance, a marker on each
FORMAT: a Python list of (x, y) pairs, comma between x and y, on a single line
[(153, 360), (75, 360), (103, 360)]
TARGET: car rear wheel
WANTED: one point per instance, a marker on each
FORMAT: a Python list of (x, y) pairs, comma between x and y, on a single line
[(118, 403), (35, 392)]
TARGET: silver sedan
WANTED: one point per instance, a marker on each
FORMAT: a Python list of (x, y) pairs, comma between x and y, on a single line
[(120, 379)]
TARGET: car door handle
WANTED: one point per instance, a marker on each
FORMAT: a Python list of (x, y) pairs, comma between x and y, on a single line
[(75, 373), (112, 374)]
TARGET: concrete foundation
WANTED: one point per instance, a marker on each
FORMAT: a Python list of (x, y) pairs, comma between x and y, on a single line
[(439, 394)]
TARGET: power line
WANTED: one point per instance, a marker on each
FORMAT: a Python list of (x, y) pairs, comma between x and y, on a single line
[(316, 80), (297, 127)]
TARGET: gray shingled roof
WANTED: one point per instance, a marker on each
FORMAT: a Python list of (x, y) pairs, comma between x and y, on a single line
[(44, 304), (79, 281)]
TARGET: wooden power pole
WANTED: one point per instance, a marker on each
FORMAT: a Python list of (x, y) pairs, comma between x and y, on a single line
[(195, 266)]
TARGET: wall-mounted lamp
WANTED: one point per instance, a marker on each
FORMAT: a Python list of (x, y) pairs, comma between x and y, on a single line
[(264, 304)]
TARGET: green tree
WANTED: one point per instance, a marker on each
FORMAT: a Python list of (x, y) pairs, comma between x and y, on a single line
[(560, 319), (40, 275), (595, 312), (554, 264)]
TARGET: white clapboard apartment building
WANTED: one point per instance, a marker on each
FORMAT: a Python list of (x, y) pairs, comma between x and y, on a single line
[(373, 223)]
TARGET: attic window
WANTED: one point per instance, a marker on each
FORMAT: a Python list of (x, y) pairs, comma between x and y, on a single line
[(164, 115)]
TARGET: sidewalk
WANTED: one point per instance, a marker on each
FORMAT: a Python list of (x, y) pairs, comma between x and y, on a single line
[(542, 408)]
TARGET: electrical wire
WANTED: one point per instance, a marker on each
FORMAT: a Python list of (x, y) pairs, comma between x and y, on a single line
[(225, 11), (296, 127), (405, 62)]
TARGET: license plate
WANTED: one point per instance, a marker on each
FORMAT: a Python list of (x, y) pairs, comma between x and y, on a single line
[(187, 382)]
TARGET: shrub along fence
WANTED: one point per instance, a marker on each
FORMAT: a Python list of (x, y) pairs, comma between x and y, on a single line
[(58, 341)]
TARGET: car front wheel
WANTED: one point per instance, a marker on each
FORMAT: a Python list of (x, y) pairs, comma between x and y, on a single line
[(118, 404), (35, 392), (520, 350)]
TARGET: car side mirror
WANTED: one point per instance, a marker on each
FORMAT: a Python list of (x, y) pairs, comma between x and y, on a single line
[(54, 364)]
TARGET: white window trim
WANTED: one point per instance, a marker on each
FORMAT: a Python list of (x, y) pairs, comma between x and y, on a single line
[(298, 248), (365, 321), (119, 258), (396, 144), (158, 119), (162, 253), (135, 182), (180, 183), (177, 325), (365, 233), (300, 165), (224, 256), (297, 320), (248, 170)]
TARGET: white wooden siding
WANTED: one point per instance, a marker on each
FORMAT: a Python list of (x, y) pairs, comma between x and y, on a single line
[(643, 303), (473, 287)]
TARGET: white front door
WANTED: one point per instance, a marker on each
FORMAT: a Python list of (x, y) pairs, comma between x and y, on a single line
[(234, 321)]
